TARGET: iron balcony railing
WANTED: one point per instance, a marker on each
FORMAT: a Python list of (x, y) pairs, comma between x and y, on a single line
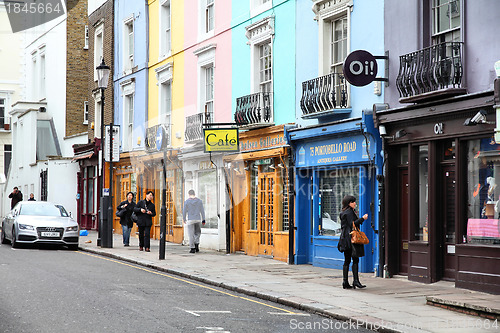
[(324, 93), (254, 110), (194, 125), (430, 69)]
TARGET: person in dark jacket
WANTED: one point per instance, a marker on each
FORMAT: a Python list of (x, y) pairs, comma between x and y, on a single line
[(32, 197), (126, 219), (355, 251), (145, 211), (15, 196), (193, 216)]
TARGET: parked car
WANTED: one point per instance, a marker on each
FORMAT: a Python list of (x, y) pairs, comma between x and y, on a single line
[(31, 222)]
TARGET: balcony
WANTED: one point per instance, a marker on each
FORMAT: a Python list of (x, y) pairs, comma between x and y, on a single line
[(194, 128), (255, 110), (431, 73), (325, 95)]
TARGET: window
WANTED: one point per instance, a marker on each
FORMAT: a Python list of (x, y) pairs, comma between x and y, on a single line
[(98, 48), (207, 189), (421, 231), (445, 21), (265, 67), (334, 185), (7, 157), (338, 51), (89, 181), (483, 193), (97, 119), (209, 15), (42, 74), (46, 140), (165, 29), (34, 76), (85, 113), (254, 195), (166, 106), (86, 37), (2, 112), (128, 122), (259, 6), (128, 61), (208, 93)]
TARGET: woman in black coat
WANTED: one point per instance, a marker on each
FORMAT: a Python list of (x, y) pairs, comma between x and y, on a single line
[(126, 218), (145, 211), (354, 251)]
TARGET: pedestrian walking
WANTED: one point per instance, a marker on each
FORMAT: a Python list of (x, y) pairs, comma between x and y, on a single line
[(145, 211), (193, 216), (15, 196), (32, 197), (355, 251), (126, 209)]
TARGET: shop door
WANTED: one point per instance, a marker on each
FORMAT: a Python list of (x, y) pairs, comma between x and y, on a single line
[(403, 221), (266, 213), (170, 210), (448, 234)]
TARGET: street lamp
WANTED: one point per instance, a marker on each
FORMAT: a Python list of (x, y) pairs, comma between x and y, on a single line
[(102, 83)]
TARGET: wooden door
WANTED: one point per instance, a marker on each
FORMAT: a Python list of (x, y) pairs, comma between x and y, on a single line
[(448, 223), (169, 204), (403, 221), (266, 213)]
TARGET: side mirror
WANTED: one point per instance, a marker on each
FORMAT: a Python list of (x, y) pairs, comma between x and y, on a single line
[(70, 215)]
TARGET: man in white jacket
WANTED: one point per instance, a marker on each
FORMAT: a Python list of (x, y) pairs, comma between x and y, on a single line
[(193, 216)]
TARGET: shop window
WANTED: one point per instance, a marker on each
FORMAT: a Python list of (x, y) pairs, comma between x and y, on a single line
[(449, 150), (334, 185), (421, 232), (285, 196), (207, 189), (483, 194), (403, 153), (254, 199)]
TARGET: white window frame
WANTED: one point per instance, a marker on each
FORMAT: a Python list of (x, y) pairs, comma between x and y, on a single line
[(203, 33), (43, 73), (325, 16), (128, 57), (164, 77), (259, 33), (452, 34), (206, 59), (86, 113), (128, 93), (165, 29), (86, 38), (259, 6), (98, 47), (97, 113), (34, 75)]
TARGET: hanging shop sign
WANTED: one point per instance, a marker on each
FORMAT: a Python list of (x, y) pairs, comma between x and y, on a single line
[(335, 150), (221, 140), (156, 138), (360, 68)]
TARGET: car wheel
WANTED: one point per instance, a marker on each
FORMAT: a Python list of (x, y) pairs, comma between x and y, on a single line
[(14, 243), (4, 240)]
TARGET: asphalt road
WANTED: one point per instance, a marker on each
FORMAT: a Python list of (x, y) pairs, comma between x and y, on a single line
[(56, 290)]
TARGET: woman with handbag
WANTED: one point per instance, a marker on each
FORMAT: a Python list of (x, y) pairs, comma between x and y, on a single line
[(145, 211), (124, 212), (349, 222)]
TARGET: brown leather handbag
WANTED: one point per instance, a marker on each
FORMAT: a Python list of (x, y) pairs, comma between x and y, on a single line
[(358, 236)]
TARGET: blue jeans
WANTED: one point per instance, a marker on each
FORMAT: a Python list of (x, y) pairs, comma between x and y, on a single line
[(126, 234)]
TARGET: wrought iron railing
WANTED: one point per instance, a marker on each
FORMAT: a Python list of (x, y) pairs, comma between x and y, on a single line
[(254, 109), (324, 93), (194, 128), (432, 68)]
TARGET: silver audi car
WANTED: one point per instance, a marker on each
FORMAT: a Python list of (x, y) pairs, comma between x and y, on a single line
[(32, 222)]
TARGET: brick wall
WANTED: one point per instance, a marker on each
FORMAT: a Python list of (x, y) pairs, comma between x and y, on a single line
[(76, 70), (103, 14)]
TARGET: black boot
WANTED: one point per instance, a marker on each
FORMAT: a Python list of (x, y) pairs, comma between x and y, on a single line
[(192, 250), (345, 283), (356, 283), (197, 247)]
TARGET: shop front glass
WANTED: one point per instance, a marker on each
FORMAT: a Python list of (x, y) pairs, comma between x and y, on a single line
[(422, 228), (334, 185), (483, 194), (207, 189)]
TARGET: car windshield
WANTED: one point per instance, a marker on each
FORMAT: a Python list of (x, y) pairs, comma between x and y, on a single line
[(43, 210)]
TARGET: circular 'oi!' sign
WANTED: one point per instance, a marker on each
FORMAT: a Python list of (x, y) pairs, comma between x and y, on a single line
[(360, 68)]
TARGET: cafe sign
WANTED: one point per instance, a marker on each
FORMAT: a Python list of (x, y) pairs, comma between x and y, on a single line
[(221, 140)]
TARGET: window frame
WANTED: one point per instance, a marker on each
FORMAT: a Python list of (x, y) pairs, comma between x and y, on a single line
[(128, 50), (85, 113), (98, 47), (165, 29)]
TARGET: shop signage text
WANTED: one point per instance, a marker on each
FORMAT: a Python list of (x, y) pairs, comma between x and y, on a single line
[(265, 142), (221, 140), (335, 150)]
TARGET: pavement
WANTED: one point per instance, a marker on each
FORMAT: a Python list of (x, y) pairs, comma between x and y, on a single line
[(385, 305)]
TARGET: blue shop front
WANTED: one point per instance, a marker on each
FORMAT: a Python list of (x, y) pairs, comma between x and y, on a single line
[(333, 160)]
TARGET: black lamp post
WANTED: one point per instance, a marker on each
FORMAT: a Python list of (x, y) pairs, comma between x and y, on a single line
[(102, 83)]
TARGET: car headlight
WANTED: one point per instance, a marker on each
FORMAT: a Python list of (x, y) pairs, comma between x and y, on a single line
[(75, 228), (26, 227)]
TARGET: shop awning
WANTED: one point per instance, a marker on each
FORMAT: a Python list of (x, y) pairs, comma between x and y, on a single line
[(83, 156)]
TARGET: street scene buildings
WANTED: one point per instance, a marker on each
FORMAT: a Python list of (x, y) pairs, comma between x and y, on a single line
[(394, 102)]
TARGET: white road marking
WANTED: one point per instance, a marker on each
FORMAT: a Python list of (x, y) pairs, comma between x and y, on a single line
[(213, 329)]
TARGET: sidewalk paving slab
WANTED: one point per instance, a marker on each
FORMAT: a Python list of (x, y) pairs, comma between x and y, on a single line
[(386, 305)]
